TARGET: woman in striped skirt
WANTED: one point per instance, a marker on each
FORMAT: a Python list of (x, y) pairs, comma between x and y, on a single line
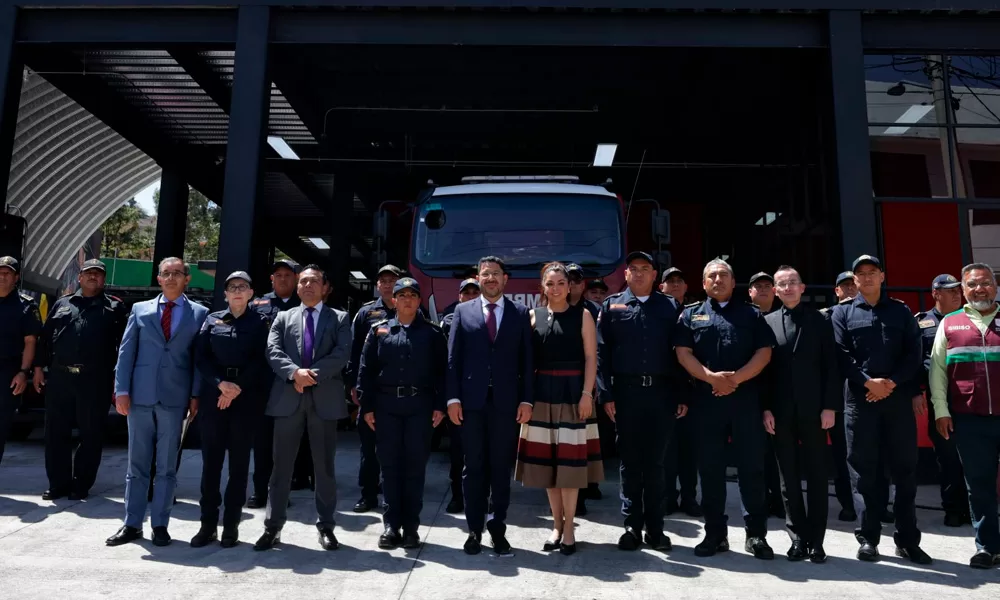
[(560, 448)]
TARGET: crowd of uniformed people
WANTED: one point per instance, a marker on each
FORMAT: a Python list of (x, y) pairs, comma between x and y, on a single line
[(525, 394)]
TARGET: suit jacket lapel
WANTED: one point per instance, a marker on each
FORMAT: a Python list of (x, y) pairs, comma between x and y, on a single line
[(321, 322), (295, 326), (798, 332), (779, 331)]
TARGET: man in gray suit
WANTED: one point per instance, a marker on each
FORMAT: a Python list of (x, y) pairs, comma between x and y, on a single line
[(307, 348)]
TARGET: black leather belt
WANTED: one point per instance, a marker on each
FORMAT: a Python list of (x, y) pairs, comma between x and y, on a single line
[(71, 369), (640, 380), (231, 371), (404, 391)]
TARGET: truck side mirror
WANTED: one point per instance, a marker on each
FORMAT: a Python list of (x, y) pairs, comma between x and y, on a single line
[(661, 225)]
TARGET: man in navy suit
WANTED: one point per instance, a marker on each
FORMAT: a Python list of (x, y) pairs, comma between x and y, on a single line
[(489, 389), (154, 388)]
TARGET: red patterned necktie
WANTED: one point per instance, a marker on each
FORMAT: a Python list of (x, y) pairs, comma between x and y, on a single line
[(168, 309)]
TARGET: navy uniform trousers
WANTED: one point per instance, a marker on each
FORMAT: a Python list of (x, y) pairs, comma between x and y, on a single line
[(403, 431), (645, 420)]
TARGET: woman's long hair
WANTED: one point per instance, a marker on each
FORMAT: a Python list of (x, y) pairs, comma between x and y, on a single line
[(552, 267)]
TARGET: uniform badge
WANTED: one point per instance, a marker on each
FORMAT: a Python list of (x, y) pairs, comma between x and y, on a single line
[(700, 317), (618, 306), (376, 314), (261, 302), (926, 323), (382, 331)]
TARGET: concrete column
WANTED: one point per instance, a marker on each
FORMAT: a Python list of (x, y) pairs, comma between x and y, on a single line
[(853, 172), (171, 218), (247, 133)]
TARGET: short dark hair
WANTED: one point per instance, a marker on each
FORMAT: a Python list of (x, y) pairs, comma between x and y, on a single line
[(170, 259), (493, 259), (787, 268), (317, 268), (977, 266)]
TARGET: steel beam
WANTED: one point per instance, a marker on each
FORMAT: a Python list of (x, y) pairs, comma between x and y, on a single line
[(171, 217), (132, 27), (247, 131), (853, 176), (11, 71), (931, 33)]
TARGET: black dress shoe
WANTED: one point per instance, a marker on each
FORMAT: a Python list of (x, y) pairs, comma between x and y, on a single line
[(710, 546), (230, 536), (54, 494), (124, 535), (327, 540), (474, 545), (914, 554), (670, 507), (981, 560), (205, 536), (847, 515), (552, 544), (567, 549), (817, 554), (160, 536), (953, 519), (776, 509), (78, 495), (759, 548), (364, 505), (692, 509), (581, 508), (411, 540), (257, 501), (269, 539), (455, 506), (501, 547), (658, 541), (389, 539), (868, 552), (888, 517), (798, 551), (629, 540)]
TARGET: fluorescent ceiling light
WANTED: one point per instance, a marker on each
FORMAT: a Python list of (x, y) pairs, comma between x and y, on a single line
[(359, 276), (912, 115), (320, 243), (605, 155), (768, 218), (282, 147)]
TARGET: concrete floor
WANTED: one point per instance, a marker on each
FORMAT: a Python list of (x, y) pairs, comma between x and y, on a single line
[(56, 550)]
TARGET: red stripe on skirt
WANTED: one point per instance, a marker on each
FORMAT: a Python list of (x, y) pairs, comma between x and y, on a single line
[(560, 372)]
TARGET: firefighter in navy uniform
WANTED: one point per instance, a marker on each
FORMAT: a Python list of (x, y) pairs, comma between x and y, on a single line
[(284, 275), (230, 355), (79, 346), (642, 392), (20, 324), (947, 293), (880, 355), (380, 309), (467, 290), (577, 294), (401, 391), (724, 345)]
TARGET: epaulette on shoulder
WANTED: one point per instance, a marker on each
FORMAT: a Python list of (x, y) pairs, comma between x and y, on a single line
[(25, 297), (897, 300), (846, 300), (919, 315), (436, 326), (370, 302), (380, 323), (692, 305), (115, 298)]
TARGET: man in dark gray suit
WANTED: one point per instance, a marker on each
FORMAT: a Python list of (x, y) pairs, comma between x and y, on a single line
[(307, 348), (801, 405)]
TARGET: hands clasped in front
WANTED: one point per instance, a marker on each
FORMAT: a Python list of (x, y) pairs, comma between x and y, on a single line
[(524, 412)]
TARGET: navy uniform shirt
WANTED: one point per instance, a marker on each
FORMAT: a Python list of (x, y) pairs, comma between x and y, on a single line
[(592, 308), (880, 341), (415, 357), (724, 338), (83, 332), (368, 315), (927, 323), (635, 338), (19, 318), (270, 304), (231, 348)]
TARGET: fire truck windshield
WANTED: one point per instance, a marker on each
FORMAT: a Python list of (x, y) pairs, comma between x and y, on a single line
[(525, 230)]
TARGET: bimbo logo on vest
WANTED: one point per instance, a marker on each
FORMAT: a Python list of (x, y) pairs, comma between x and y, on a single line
[(959, 327)]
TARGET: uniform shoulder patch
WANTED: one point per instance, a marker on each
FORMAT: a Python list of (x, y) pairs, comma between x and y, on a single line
[(261, 302), (925, 323), (618, 306), (701, 317), (26, 297)]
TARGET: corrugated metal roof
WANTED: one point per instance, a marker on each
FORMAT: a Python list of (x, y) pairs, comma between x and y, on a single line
[(69, 173)]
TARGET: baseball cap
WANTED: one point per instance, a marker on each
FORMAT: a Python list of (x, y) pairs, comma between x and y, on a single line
[(640, 255), (467, 282), (762, 275), (11, 263), (285, 263), (574, 270), (945, 282), (406, 283), (597, 284), (844, 276), (392, 269), (671, 272), (239, 275), (866, 259), (93, 264)]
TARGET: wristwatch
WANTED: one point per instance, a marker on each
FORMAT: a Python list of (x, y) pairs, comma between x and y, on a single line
[(27, 372)]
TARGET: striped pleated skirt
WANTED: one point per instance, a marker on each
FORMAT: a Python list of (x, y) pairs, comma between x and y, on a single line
[(557, 449)]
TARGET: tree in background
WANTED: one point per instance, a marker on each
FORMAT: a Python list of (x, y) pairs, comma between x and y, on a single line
[(204, 217), (126, 236)]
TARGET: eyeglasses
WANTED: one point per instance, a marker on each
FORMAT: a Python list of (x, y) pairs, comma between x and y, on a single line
[(972, 285), (485, 274), (172, 274), (787, 284), (237, 288)]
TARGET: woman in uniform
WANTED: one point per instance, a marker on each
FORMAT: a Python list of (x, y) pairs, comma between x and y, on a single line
[(230, 356), (560, 447)]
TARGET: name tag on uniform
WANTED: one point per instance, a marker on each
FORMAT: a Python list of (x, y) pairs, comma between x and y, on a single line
[(261, 302), (926, 323), (700, 318), (376, 314), (618, 306)]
